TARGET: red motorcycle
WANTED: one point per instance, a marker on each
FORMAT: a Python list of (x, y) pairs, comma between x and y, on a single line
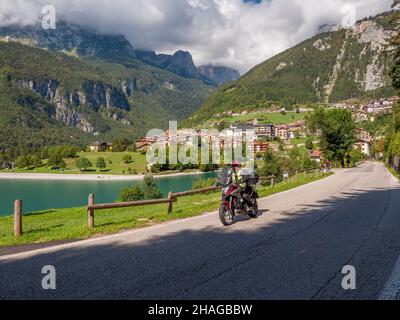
[(238, 201)]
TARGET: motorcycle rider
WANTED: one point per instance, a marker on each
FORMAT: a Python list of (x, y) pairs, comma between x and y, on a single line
[(235, 178), (234, 173)]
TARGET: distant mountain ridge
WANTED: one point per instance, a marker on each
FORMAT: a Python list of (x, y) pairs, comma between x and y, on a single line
[(69, 38), (181, 63), (219, 74), (81, 41), (84, 86), (329, 67)]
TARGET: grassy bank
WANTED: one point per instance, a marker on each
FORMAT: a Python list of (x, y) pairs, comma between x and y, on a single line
[(65, 224), (393, 171), (114, 160)]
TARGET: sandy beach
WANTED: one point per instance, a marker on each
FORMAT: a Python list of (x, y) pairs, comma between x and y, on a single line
[(84, 177)]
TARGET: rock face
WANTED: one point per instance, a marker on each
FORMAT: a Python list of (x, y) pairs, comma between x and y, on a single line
[(376, 39), (69, 38), (219, 74), (180, 63), (328, 28), (128, 86), (94, 95)]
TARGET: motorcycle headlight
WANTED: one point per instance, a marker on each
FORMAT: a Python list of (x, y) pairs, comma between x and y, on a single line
[(225, 190)]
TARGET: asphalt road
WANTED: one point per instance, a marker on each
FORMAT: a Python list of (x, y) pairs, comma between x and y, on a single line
[(295, 250)]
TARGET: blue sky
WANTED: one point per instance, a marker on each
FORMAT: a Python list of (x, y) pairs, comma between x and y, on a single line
[(254, 1)]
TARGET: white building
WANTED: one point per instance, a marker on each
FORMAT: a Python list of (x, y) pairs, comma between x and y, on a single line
[(364, 146)]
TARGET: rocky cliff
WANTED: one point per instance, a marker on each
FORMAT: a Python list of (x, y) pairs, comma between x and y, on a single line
[(94, 95), (69, 38)]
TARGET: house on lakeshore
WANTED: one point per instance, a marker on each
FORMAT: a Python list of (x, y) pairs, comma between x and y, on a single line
[(101, 147), (316, 155)]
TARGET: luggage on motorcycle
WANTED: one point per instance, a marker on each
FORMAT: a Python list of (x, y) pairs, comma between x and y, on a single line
[(249, 177)]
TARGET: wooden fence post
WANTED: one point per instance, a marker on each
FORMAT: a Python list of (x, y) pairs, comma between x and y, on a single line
[(18, 218), (91, 212), (273, 182), (297, 175), (170, 198)]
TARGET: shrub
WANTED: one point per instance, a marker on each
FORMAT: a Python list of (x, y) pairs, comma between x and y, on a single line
[(148, 190), (83, 164), (127, 159), (131, 194), (101, 163), (22, 162), (151, 190), (204, 183), (310, 144)]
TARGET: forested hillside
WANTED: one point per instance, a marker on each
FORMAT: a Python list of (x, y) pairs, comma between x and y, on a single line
[(329, 67)]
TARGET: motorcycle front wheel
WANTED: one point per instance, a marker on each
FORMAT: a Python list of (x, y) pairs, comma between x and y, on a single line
[(254, 213), (226, 216)]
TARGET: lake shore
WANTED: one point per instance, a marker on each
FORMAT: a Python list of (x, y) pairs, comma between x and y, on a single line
[(86, 177)]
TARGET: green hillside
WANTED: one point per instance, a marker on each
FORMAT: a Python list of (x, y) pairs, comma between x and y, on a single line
[(48, 98), (329, 67)]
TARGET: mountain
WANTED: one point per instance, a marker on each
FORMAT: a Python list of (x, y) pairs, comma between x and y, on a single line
[(329, 67), (84, 86), (328, 28), (69, 38), (180, 63), (219, 74)]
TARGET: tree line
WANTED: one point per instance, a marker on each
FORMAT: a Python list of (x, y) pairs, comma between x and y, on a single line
[(53, 156), (391, 145)]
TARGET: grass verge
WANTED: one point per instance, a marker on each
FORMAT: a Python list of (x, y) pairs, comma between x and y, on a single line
[(393, 171), (69, 224)]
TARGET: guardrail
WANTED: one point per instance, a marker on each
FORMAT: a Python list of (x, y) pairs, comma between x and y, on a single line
[(172, 198)]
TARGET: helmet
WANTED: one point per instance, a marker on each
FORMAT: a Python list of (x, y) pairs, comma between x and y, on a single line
[(236, 164)]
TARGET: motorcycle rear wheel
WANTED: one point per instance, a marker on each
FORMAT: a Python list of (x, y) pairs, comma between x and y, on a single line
[(226, 216)]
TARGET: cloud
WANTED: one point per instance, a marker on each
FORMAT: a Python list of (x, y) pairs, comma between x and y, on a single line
[(235, 33)]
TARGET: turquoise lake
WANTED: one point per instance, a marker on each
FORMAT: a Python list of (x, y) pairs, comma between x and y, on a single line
[(40, 195)]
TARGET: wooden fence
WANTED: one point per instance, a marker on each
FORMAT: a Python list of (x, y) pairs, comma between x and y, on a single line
[(172, 197)]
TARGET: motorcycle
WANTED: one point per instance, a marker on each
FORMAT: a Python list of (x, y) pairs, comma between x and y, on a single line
[(238, 201)]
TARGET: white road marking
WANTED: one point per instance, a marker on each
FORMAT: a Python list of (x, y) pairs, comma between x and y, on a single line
[(392, 287)]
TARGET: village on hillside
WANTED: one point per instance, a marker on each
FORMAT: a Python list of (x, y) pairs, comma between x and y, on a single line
[(266, 133)]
